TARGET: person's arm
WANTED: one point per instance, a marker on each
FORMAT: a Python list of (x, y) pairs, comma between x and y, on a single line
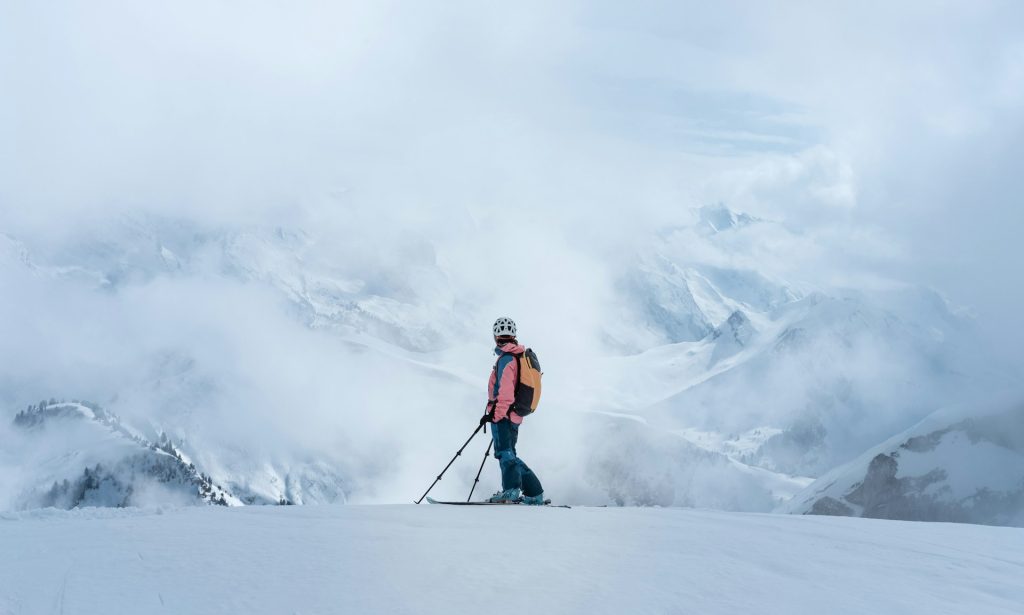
[(489, 410), (503, 385)]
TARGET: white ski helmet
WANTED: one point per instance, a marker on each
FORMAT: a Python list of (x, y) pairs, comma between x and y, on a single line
[(504, 326)]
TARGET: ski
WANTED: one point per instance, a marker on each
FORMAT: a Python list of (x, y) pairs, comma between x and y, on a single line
[(546, 503)]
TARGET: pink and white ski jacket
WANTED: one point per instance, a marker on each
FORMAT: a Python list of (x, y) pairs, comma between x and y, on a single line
[(501, 388)]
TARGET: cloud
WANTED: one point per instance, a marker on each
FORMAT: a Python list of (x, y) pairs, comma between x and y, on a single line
[(487, 160)]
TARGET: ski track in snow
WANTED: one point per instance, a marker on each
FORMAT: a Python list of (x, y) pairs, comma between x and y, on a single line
[(446, 559)]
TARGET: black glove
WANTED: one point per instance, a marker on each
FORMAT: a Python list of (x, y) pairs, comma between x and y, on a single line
[(488, 416)]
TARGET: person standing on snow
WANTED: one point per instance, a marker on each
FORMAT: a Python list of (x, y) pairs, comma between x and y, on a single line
[(518, 482)]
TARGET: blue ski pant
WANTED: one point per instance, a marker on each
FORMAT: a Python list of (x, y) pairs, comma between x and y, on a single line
[(514, 473)]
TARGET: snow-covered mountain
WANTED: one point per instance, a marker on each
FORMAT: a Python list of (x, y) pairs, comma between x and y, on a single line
[(83, 455), (292, 365), (403, 299), (962, 464), (829, 371), (820, 369), (103, 462)]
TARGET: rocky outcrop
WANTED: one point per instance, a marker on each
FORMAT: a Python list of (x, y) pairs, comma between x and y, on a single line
[(969, 470)]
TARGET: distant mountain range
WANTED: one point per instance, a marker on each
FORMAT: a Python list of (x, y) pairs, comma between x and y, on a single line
[(724, 384)]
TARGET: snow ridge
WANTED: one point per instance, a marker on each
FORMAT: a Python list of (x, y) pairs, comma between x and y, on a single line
[(114, 482)]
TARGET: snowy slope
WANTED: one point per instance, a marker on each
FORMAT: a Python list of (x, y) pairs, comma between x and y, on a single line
[(960, 464), (636, 464), (717, 342), (833, 375), (100, 462), (445, 560)]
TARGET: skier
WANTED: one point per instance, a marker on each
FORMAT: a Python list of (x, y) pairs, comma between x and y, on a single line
[(518, 482)]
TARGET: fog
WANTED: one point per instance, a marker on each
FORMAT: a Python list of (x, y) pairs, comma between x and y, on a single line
[(471, 162)]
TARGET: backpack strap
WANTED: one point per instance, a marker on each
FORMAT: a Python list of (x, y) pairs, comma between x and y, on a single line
[(519, 380)]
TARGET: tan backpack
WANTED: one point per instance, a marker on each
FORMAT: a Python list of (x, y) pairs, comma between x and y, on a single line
[(528, 377)]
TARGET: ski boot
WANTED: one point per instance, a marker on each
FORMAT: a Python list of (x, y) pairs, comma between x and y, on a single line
[(508, 496), (533, 500)]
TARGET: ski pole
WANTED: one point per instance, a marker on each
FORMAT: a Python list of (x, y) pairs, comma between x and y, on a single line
[(475, 431), (476, 480)]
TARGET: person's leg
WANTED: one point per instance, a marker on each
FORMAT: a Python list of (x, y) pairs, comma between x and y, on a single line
[(528, 481), (504, 450), (513, 436), (531, 484)]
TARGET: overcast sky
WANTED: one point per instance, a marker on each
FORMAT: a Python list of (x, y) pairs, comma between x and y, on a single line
[(889, 132)]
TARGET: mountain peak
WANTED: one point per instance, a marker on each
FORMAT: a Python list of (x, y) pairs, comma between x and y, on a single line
[(732, 336), (717, 217)]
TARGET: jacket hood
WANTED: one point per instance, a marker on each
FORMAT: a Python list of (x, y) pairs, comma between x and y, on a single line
[(510, 347)]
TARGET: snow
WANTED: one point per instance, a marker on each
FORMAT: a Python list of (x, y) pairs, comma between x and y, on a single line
[(781, 486), (745, 443), (438, 559)]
